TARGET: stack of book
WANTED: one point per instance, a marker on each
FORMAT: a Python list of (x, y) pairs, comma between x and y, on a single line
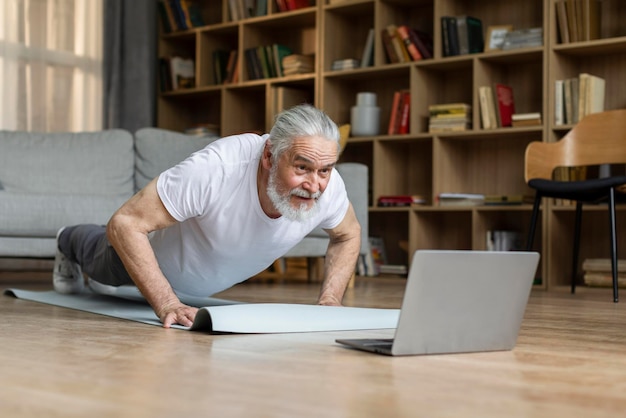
[(404, 44), (598, 272), (461, 35), (203, 130), (298, 64), (400, 200), (450, 117), (225, 66), (578, 20), (523, 38), (345, 64), (460, 199), (577, 97), (526, 119), (266, 61)]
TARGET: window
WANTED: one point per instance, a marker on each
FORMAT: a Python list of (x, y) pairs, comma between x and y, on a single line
[(51, 65)]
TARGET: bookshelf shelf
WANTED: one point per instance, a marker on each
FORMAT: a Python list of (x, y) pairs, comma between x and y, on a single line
[(487, 161)]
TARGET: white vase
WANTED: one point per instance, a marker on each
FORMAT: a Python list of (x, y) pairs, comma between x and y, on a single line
[(365, 116)]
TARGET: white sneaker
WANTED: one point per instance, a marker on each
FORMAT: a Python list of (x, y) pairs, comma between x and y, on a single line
[(67, 276), (102, 289)]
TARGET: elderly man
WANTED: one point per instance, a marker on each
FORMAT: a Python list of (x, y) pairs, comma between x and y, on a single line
[(221, 216)]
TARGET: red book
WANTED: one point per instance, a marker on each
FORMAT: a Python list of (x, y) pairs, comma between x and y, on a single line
[(395, 113), (505, 104), (406, 111), (404, 33)]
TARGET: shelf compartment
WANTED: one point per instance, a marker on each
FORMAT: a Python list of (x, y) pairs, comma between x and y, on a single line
[(439, 85), (594, 241), (445, 230), (393, 227), (178, 112), (403, 168), (351, 24), (251, 102), (339, 93), (487, 166)]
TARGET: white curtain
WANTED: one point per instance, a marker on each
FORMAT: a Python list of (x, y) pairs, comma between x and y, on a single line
[(51, 65)]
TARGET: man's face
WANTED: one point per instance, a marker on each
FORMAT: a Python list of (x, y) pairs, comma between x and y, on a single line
[(300, 177)]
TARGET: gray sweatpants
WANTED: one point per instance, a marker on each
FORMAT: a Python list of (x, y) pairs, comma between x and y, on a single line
[(88, 246)]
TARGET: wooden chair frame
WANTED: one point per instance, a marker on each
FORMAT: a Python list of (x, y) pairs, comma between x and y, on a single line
[(598, 139)]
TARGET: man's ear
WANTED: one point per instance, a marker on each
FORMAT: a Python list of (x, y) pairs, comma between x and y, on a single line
[(266, 159)]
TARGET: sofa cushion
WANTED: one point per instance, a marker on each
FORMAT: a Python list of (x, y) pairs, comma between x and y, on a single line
[(67, 163), (41, 215), (156, 150)]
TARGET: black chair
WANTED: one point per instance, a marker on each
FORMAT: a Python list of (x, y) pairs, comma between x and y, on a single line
[(598, 139)]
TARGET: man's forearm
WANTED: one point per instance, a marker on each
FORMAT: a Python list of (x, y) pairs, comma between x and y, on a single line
[(139, 260), (339, 266)]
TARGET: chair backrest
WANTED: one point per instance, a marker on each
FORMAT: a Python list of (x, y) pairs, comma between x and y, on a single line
[(355, 178), (599, 138)]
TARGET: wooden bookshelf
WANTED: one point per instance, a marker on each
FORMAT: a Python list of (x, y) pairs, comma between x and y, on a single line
[(421, 163)]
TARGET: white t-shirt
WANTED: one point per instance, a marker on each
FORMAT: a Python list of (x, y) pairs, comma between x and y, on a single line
[(223, 237)]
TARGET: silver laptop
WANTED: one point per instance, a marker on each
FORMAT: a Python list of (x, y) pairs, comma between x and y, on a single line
[(459, 302)]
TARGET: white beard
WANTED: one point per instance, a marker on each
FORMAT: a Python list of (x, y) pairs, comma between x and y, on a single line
[(282, 202)]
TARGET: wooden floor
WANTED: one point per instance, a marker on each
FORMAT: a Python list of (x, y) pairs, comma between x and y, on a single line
[(570, 361)]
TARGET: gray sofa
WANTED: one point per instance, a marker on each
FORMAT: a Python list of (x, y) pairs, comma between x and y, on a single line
[(56, 179), (52, 180)]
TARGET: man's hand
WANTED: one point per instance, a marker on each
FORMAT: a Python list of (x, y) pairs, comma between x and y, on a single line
[(177, 313)]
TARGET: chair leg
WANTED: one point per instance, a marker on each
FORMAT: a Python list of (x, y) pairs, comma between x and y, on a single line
[(612, 221), (533, 223), (576, 250)]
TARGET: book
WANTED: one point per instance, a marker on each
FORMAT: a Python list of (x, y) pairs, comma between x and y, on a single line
[(396, 110), (487, 108), (232, 68), (503, 240), (446, 108), (192, 12), (378, 254), (523, 38), (561, 15), (507, 199), (423, 41), (400, 200), (470, 35), (183, 72), (526, 119), (505, 104), (390, 50), (367, 58), (220, 64), (450, 36), (398, 44), (603, 265), (460, 199), (179, 16), (280, 52), (591, 94), (345, 64), (450, 117), (405, 113), (403, 32), (559, 103), (166, 25), (298, 64)]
